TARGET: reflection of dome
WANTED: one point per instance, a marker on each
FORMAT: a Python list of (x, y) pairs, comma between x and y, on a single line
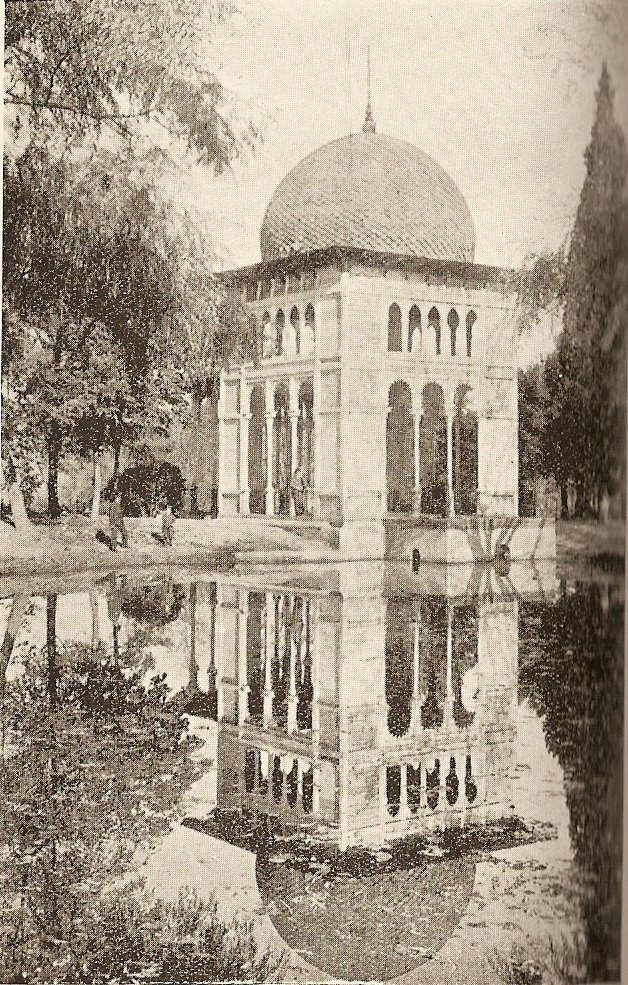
[(371, 192), (367, 927)]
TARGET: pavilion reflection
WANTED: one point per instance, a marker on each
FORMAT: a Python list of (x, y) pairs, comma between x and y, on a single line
[(364, 706)]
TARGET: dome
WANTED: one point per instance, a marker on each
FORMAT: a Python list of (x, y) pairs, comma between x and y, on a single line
[(371, 192)]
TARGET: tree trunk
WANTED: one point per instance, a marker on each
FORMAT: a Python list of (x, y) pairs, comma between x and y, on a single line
[(54, 454), (17, 612), (51, 647), (604, 504), (116, 460), (97, 487), (21, 520)]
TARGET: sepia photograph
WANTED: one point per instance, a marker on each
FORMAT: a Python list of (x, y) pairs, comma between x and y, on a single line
[(313, 491)]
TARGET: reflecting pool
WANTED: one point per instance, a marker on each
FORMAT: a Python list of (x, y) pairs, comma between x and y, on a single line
[(392, 773)]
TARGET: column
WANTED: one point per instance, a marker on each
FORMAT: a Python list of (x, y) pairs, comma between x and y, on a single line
[(416, 505), (219, 649), (243, 686), (294, 433), (269, 646), (405, 322), (245, 417), (270, 441), (450, 461), (221, 442)]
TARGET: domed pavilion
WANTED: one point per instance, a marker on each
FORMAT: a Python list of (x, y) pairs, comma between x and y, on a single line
[(383, 400)]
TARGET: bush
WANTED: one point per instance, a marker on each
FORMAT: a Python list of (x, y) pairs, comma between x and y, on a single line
[(127, 935), (148, 487)]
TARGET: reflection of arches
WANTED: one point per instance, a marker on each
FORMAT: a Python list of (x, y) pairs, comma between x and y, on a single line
[(267, 336), (413, 784), (471, 319), (393, 789), (400, 449), (282, 464), (470, 786), (464, 453), (257, 452), (296, 335), (255, 655), (433, 661), (279, 333), (452, 783), (464, 638), (453, 321), (433, 321), (433, 452), (305, 432), (414, 329), (399, 664), (395, 337), (432, 783), (309, 337)]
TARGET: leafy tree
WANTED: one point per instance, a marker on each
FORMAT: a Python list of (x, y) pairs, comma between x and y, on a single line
[(586, 431)]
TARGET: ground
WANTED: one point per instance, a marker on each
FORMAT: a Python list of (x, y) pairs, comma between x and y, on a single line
[(71, 544)]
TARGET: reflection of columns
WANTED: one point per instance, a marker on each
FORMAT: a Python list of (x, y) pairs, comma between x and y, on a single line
[(270, 440), (219, 651), (423, 783), (245, 417), (243, 690), (403, 791), (292, 692), (449, 697), (269, 646), (416, 695), (450, 464)]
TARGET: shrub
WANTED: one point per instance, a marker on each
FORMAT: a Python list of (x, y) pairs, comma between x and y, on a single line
[(148, 487)]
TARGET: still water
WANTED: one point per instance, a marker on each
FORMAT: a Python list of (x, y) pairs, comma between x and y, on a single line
[(393, 773)]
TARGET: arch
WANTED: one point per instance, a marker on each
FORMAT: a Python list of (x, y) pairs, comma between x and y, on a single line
[(453, 321), (253, 343), (280, 321), (433, 321), (282, 448), (309, 335), (471, 320), (267, 335), (393, 789), (464, 453), (433, 452), (399, 664), (296, 333), (258, 451), (305, 440), (395, 336), (400, 449), (414, 329)]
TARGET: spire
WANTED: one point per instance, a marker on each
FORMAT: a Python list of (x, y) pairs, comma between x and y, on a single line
[(369, 122)]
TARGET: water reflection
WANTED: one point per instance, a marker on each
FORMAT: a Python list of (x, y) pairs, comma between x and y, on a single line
[(362, 707)]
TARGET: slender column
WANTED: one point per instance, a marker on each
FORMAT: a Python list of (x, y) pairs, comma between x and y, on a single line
[(294, 433), (405, 321), (243, 689), (416, 506), (269, 645), (450, 463), (219, 652), (221, 442), (270, 441)]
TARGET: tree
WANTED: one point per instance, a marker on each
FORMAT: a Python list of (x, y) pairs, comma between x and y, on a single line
[(582, 384)]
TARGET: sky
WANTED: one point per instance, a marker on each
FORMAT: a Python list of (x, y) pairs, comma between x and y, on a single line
[(500, 92)]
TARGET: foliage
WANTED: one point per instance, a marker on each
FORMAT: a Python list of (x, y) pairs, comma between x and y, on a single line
[(584, 381), (126, 935), (147, 487), (572, 673), (74, 68)]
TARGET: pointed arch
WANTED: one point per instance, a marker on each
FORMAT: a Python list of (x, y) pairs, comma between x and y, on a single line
[(453, 321), (280, 321), (414, 329), (395, 337), (471, 320), (309, 339), (433, 321), (296, 333), (400, 449)]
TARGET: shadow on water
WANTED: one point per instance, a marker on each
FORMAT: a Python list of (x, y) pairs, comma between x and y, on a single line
[(363, 747)]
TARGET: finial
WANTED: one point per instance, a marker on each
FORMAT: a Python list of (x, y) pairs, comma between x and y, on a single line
[(369, 122)]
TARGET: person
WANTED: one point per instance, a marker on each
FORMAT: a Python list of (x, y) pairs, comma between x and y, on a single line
[(298, 491), (116, 521), (167, 525)]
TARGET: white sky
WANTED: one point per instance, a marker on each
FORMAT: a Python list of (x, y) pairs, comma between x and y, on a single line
[(499, 92)]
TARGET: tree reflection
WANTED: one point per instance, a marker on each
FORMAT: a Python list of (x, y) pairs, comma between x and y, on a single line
[(572, 673)]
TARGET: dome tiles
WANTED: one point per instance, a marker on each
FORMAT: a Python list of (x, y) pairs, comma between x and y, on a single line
[(371, 192)]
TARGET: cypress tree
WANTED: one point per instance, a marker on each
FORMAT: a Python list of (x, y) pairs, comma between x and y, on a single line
[(587, 428)]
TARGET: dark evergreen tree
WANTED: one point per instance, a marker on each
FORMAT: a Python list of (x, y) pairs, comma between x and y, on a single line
[(586, 429)]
